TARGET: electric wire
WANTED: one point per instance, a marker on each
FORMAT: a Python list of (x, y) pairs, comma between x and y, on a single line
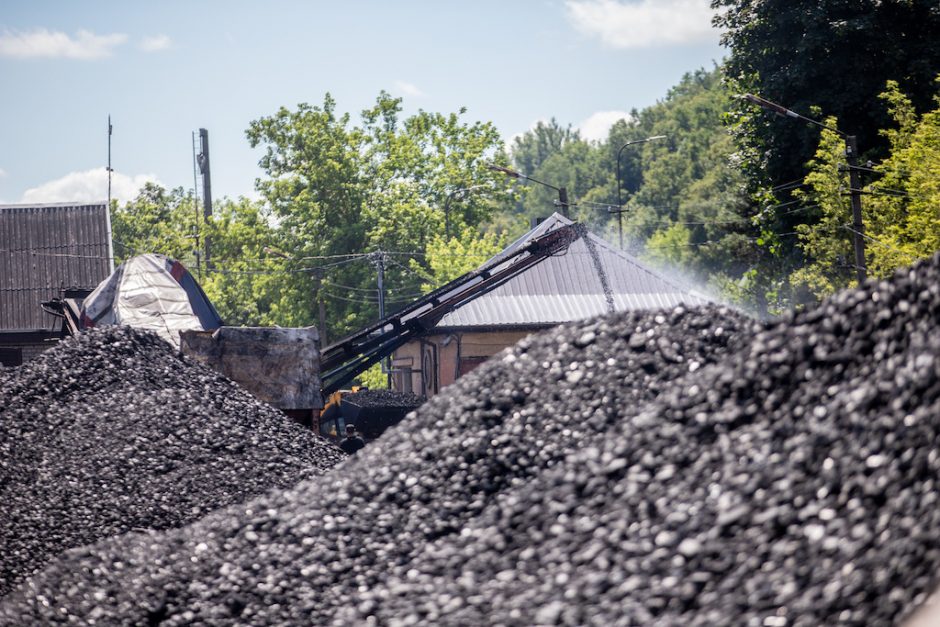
[(909, 256)]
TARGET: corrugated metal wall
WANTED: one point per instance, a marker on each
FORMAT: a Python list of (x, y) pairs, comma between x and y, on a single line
[(45, 250)]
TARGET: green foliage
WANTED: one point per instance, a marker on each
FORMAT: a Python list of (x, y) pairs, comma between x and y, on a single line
[(373, 378), (826, 241), (448, 259), (333, 194), (829, 57), (691, 208), (250, 284), (156, 221), (903, 216), (900, 207), (831, 54), (669, 246), (338, 189), (531, 149)]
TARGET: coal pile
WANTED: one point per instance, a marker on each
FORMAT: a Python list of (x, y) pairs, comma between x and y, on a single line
[(384, 398), (304, 555), (795, 483), (372, 412), (111, 432)]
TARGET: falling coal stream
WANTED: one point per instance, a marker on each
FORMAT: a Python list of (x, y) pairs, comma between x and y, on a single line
[(598, 266)]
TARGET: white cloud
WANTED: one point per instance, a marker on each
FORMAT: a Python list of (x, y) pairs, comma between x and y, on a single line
[(3, 173), (88, 186), (155, 43), (597, 126), (643, 23), (408, 89), (46, 44)]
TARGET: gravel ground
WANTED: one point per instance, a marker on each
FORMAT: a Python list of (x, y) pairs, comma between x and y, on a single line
[(303, 555), (111, 432)]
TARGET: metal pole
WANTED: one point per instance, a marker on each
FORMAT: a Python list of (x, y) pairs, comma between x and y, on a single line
[(855, 192), (206, 186), (107, 210), (563, 200), (619, 186), (109, 162), (380, 266), (620, 198)]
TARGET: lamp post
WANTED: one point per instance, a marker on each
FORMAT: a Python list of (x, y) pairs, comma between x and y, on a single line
[(855, 186), (562, 192), (620, 209), (454, 193)]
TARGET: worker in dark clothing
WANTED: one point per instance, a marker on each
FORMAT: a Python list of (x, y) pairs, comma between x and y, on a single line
[(352, 442)]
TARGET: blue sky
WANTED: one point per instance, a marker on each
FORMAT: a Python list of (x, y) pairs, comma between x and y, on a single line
[(165, 69)]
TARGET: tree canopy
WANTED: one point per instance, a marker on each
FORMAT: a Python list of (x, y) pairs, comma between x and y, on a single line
[(751, 204)]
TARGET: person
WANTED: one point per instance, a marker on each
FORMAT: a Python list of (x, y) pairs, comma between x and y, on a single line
[(352, 442)]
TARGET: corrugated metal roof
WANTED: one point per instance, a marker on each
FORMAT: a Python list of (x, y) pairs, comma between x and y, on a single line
[(44, 250), (568, 287)]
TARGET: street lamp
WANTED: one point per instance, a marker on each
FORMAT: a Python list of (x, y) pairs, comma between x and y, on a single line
[(855, 189), (620, 209), (454, 193), (562, 192)]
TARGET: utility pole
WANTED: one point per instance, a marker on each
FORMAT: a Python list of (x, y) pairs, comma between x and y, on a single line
[(855, 192), (563, 200), (855, 186), (203, 160), (379, 259)]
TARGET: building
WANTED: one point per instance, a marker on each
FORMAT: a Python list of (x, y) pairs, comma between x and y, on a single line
[(47, 251), (575, 285)]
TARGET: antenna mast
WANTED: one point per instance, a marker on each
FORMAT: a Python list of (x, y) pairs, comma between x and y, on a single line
[(196, 247), (109, 162)]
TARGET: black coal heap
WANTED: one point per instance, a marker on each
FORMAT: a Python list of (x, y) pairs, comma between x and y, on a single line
[(683, 467), (111, 432)]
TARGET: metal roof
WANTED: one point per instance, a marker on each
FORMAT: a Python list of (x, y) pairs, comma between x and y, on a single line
[(568, 287), (46, 249)]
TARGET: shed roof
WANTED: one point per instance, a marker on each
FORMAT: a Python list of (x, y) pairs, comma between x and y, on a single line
[(45, 250), (568, 287)]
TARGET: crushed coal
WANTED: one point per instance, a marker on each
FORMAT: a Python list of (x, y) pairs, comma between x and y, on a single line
[(683, 467), (303, 555), (793, 483), (384, 398), (111, 432)]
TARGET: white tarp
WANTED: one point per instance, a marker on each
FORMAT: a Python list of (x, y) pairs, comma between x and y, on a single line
[(148, 292)]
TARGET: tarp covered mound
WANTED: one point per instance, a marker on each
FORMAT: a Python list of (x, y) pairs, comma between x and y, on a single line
[(151, 292)]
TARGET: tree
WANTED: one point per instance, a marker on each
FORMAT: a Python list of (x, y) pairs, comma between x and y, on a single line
[(691, 191), (904, 202), (251, 282), (819, 58), (531, 149), (826, 241), (448, 259), (900, 209), (339, 190), (156, 221), (834, 55)]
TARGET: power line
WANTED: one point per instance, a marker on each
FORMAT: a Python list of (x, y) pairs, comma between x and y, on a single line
[(909, 256)]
